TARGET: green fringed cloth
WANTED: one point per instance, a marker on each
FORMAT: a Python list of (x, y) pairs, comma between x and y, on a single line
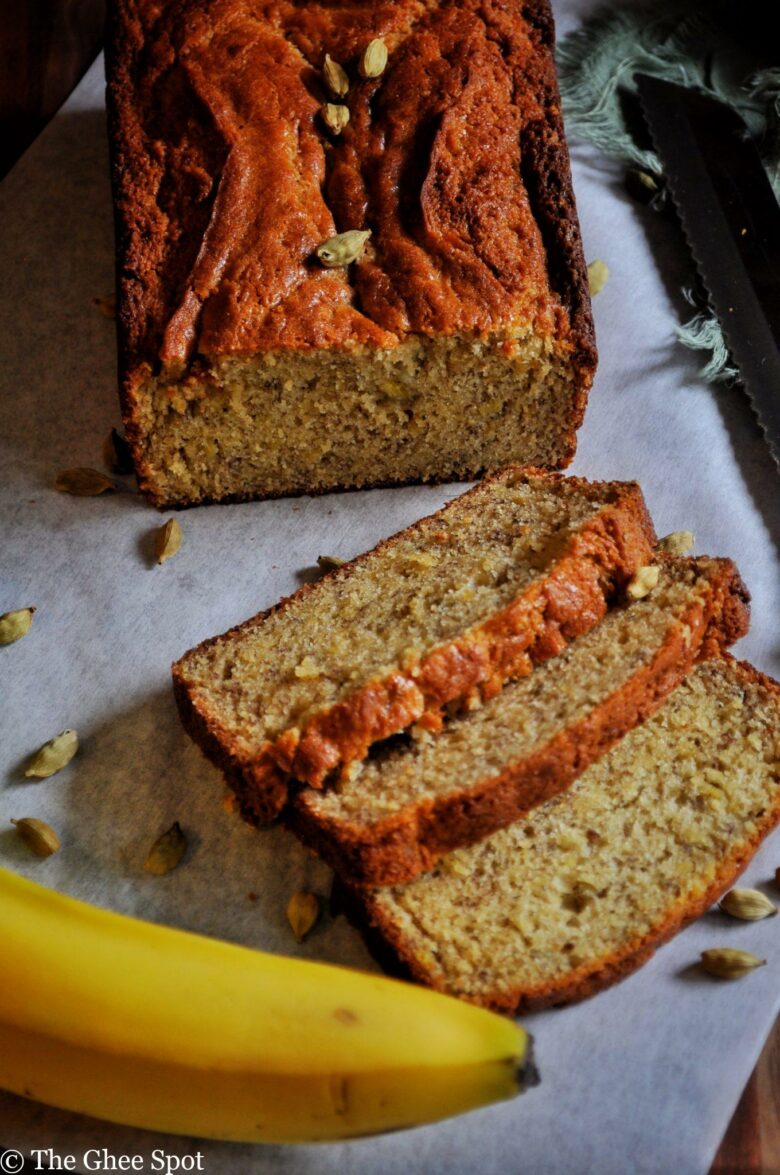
[(692, 45)]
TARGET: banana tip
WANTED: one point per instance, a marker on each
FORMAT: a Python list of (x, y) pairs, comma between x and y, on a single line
[(527, 1072)]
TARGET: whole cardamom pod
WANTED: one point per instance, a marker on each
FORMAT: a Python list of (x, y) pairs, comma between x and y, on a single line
[(303, 910), (84, 483), (167, 851), (335, 77), (643, 581), (729, 963), (642, 185), (679, 542), (167, 540), (598, 274), (335, 117), (748, 904), (342, 249), (39, 837), (329, 562), (15, 625), (373, 59), (53, 755)]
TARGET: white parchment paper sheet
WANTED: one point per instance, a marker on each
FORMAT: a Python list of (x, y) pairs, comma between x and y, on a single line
[(643, 1078)]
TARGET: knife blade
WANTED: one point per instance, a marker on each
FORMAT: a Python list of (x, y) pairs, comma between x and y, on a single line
[(731, 220)]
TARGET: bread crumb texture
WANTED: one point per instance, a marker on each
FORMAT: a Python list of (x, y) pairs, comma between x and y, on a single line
[(528, 714), (545, 548), (583, 888), (428, 410)]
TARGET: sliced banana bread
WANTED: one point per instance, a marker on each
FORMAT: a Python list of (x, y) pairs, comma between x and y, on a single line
[(445, 611), (410, 804), (582, 891)]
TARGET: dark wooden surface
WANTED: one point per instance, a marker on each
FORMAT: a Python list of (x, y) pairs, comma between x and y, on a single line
[(45, 47), (751, 1145)]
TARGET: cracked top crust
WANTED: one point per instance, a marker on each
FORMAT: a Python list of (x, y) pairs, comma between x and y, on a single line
[(226, 180)]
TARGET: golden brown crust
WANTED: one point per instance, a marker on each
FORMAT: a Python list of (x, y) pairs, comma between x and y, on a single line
[(409, 842), (598, 559), (387, 942), (225, 183), (202, 94)]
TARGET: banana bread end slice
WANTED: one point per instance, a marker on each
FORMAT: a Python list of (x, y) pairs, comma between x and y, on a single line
[(583, 890)]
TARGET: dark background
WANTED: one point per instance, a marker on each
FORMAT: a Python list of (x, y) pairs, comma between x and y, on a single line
[(45, 47)]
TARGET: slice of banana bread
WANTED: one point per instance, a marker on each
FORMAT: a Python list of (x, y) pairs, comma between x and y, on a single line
[(412, 803), (582, 891), (445, 611)]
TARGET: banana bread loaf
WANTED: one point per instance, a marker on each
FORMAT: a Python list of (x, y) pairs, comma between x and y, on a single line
[(444, 612), (581, 891), (458, 340), (412, 803)]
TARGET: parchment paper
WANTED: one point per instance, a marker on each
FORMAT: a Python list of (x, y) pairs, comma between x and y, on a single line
[(643, 1078)]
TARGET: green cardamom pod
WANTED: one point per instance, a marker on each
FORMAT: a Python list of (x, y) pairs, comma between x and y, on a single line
[(679, 542), (84, 483), (53, 755), (15, 625), (167, 851), (303, 910), (335, 77), (643, 581), (167, 540), (335, 117), (39, 837), (598, 273), (729, 963), (373, 60), (748, 904), (342, 249)]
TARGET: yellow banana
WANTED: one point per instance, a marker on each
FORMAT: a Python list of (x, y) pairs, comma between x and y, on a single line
[(157, 1028)]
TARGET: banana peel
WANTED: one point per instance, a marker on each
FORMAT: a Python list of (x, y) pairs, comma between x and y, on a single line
[(161, 1029)]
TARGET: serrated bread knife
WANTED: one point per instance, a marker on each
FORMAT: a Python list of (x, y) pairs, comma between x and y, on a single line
[(732, 222)]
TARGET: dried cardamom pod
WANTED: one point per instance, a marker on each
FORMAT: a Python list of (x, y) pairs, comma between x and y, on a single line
[(748, 904), (335, 77), (335, 117), (679, 542), (329, 562), (117, 455), (642, 185), (84, 483), (303, 910), (39, 837), (342, 249), (642, 582), (167, 540), (15, 625), (729, 963), (106, 305), (53, 755), (373, 59), (598, 273), (167, 851)]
